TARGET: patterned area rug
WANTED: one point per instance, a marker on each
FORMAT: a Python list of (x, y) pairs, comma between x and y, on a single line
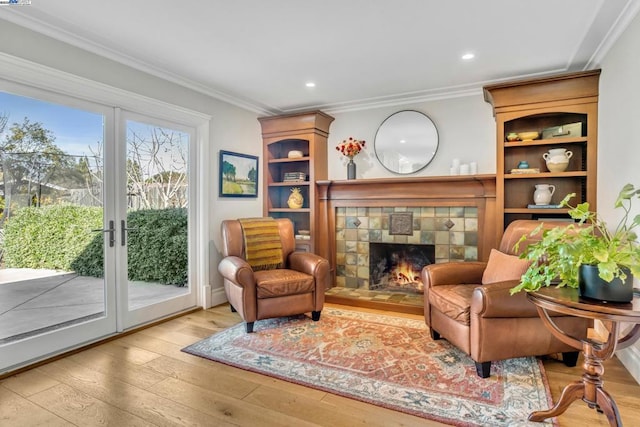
[(387, 361)]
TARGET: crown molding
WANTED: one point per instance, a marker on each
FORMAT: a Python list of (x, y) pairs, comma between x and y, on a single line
[(16, 17), (626, 16), (450, 92)]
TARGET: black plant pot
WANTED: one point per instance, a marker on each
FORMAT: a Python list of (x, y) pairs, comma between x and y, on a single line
[(592, 286)]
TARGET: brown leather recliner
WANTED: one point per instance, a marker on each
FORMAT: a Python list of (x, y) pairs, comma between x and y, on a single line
[(485, 321), (296, 288)]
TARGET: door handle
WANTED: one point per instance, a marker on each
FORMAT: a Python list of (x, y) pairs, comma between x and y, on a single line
[(123, 232), (112, 233)]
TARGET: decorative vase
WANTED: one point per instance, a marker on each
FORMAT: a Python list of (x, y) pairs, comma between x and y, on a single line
[(543, 193), (351, 169), (557, 159), (295, 200), (592, 286)]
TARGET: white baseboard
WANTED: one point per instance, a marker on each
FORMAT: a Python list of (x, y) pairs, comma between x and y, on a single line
[(630, 358), (218, 296), (206, 297)]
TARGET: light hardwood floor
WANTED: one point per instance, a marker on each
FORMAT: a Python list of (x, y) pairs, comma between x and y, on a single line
[(143, 379)]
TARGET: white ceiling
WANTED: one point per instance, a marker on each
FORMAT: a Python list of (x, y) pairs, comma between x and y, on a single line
[(259, 54)]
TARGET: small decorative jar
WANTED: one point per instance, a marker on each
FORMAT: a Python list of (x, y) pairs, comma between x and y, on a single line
[(512, 136)]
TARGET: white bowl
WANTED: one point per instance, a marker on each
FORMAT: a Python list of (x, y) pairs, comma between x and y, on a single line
[(294, 154)]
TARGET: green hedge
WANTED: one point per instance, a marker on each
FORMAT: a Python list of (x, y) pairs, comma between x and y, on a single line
[(157, 246), (50, 236), (60, 237)]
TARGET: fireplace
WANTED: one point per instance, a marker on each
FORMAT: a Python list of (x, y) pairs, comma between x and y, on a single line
[(454, 214), (450, 231), (396, 267)]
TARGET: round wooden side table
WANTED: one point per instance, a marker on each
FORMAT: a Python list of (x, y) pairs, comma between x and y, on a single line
[(589, 388)]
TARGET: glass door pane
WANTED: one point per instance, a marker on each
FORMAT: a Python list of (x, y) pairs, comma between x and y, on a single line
[(155, 228), (53, 292)]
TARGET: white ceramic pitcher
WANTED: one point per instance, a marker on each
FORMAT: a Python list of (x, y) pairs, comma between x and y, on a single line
[(543, 193)]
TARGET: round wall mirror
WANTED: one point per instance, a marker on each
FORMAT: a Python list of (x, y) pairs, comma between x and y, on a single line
[(406, 142)]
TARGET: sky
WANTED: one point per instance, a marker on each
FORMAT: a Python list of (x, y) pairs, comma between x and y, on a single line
[(74, 130)]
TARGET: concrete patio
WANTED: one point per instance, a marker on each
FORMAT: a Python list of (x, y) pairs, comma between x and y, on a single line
[(34, 301)]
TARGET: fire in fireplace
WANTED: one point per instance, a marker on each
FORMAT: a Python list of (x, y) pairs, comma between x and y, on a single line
[(397, 266)]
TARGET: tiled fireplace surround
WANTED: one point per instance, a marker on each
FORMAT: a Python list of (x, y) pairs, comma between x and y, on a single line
[(455, 213), (452, 229)]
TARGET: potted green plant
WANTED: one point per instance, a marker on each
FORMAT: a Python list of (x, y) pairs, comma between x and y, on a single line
[(586, 254)]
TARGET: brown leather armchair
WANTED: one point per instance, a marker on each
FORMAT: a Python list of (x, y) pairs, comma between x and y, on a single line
[(296, 288), (485, 321)]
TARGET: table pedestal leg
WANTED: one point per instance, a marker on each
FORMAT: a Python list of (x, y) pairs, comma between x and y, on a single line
[(589, 389), (571, 392)]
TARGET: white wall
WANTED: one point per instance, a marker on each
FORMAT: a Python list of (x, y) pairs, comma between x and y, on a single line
[(466, 130), (232, 128), (618, 144)]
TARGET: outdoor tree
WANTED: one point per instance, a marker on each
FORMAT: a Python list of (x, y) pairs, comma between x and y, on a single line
[(29, 160), (91, 168), (156, 169)]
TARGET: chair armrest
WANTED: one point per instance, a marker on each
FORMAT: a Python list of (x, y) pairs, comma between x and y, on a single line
[(311, 264), (453, 273), (495, 300), (237, 270)]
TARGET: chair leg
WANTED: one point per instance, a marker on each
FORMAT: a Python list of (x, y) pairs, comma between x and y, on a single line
[(315, 315), (233, 309), (248, 327), (435, 335), (570, 358), (483, 369)]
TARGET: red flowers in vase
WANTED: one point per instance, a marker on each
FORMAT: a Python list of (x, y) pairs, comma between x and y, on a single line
[(350, 147)]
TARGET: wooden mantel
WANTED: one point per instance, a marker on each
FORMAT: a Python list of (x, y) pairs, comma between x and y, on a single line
[(410, 189), (461, 190)]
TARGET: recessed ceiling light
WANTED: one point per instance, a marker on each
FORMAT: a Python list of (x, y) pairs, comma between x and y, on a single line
[(468, 56), (310, 84)]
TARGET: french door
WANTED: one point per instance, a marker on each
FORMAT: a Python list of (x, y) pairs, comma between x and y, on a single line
[(152, 218), (118, 206)]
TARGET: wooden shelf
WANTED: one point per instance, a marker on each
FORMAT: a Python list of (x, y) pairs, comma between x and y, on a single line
[(536, 142), (289, 210), (289, 184), (288, 160), (536, 211), (544, 175)]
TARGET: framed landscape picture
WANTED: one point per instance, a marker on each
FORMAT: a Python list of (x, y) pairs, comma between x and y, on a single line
[(238, 175)]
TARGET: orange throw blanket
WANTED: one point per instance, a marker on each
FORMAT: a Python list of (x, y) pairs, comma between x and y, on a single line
[(262, 245)]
